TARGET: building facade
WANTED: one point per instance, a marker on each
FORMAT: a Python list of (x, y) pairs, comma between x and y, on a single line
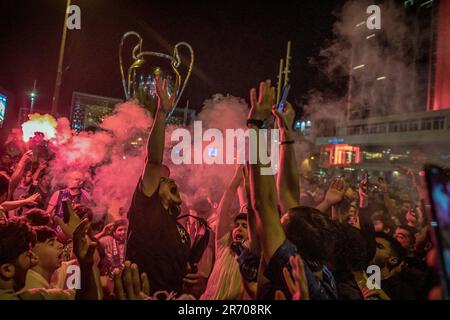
[(383, 130), (88, 110)]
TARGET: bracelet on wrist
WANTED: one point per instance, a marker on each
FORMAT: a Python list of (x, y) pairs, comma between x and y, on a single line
[(287, 142)]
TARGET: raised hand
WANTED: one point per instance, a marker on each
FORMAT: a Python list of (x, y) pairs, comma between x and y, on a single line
[(285, 119), (107, 230), (68, 227), (374, 293), (165, 102), (262, 107), (130, 286), (83, 246), (32, 200), (26, 157), (297, 283), (42, 165), (335, 192)]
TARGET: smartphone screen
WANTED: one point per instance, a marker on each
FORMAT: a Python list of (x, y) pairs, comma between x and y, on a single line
[(66, 210), (438, 181), (284, 96)]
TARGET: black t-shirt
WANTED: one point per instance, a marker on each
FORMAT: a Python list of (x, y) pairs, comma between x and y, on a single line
[(157, 243), (397, 288)]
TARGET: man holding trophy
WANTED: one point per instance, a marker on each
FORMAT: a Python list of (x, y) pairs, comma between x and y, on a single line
[(156, 241)]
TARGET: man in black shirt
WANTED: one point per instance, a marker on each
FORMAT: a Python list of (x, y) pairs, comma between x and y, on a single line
[(156, 241), (390, 256)]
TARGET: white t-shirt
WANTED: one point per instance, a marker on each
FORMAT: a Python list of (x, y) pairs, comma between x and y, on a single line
[(225, 281), (38, 288)]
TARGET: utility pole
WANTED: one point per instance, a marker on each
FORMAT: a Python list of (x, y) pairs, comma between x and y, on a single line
[(60, 62)]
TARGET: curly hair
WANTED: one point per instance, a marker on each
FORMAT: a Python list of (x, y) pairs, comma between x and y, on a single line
[(118, 223), (44, 233), (350, 252), (37, 217), (312, 232), (15, 238)]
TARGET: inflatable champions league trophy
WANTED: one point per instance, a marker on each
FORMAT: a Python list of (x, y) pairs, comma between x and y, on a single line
[(139, 83)]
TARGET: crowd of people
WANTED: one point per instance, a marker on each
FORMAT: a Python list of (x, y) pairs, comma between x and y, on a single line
[(272, 237)]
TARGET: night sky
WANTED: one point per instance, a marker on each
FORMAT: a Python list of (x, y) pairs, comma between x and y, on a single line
[(236, 43)]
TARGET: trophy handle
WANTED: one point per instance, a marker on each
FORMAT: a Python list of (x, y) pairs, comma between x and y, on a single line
[(138, 47), (176, 62)]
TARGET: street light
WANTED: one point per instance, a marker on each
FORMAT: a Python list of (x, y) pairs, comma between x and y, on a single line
[(33, 95)]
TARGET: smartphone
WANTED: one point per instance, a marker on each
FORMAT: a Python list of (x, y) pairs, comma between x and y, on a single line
[(284, 96), (438, 184), (67, 207)]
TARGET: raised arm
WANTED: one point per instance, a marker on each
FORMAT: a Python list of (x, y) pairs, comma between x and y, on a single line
[(262, 187), (287, 182), (13, 205), (155, 143), (52, 203), (255, 247), (18, 173), (42, 166), (84, 248), (225, 218)]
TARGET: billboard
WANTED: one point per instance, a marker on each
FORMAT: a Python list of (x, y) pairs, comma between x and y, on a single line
[(3, 100)]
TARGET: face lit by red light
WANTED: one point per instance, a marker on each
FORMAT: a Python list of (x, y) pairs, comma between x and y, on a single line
[(168, 191), (6, 160), (45, 182), (120, 233), (240, 231), (27, 178), (75, 180), (49, 253)]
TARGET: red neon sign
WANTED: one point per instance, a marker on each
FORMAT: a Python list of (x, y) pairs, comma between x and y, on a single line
[(343, 154)]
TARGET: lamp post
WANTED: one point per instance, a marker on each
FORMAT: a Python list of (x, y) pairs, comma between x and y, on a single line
[(60, 62), (33, 97)]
